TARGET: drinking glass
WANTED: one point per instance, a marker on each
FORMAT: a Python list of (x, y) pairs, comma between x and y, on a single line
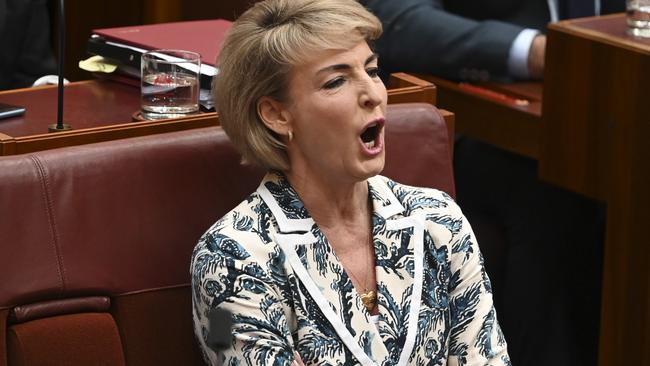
[(169, 83), (638, 18)]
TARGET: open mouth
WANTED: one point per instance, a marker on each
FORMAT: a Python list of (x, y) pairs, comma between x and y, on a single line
[(370, 134)]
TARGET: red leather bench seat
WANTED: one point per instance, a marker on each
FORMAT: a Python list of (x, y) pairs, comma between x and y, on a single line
[(95, 240)]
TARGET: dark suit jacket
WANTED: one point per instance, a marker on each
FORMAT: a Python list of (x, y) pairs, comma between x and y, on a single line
[(25, 42), (450, 38)]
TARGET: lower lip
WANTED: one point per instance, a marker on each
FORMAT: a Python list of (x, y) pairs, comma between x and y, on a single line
[(375, 150)]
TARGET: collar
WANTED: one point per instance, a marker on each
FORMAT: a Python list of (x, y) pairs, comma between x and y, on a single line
[(296, 235), (291, 214)]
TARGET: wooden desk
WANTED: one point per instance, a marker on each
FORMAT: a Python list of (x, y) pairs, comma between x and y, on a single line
[(102, 110), (96, 110), (589, 135), (595, 126), (489, 112)]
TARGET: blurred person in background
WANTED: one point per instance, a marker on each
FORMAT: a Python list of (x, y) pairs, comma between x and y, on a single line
[(26, 54), (474, 40)]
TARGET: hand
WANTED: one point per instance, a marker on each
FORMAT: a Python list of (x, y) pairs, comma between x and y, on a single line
[(536, 57), (298, 361)]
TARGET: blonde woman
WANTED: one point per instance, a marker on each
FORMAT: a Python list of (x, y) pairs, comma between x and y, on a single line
[(327, 262)]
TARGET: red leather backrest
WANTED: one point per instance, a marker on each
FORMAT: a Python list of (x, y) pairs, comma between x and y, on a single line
[(418, 150), (114, 217), (123, 216)]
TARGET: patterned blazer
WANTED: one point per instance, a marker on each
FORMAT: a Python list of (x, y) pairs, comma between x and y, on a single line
[(269, 264)]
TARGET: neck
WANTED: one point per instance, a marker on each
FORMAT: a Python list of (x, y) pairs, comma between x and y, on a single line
[(332, 202)]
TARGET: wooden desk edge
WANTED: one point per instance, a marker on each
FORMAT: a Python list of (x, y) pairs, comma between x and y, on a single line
[(450, 121), (572, 26), (533, 108), (413, 90), (47, 86), (410, 80), (27, 144)]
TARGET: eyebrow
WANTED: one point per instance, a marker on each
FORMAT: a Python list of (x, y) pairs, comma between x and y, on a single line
[(339, 67)]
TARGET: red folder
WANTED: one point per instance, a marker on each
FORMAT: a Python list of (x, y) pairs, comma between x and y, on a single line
[(202, 36)]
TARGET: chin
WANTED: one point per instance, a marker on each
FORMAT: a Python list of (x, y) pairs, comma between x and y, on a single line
[(371, 168)]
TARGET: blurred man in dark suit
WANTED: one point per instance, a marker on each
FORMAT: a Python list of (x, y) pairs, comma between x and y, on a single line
[(543, 245), (478, 40), (25, 43)]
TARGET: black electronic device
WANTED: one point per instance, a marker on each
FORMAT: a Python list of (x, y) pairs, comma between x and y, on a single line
[(220, 329)]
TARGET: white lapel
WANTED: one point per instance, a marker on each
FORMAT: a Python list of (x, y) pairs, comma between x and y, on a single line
[(298, 232), (389, 207), (285, 224), (325, 306), (417, 223)]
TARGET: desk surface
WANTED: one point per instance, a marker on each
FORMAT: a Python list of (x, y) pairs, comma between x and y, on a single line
[(608, 29), (490, 112), (97, 111), (82, 102), (101, 110)]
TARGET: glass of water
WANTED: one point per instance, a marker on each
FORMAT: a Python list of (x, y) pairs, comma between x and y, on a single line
[(638, 18), (169, 83)]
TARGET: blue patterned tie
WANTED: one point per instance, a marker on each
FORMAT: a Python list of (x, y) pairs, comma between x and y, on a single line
[(578, 9)]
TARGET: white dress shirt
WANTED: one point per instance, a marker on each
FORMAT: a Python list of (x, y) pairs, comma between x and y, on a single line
[(518, 56)]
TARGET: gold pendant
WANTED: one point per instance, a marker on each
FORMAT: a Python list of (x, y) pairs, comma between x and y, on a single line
[(369, 300)]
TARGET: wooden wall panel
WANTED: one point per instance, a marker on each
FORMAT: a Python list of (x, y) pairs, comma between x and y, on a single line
[(594, 131)]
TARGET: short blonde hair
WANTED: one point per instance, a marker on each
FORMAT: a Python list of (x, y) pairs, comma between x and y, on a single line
[(257, 57)]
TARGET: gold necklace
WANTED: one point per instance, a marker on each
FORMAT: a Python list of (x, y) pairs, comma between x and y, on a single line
[(368, 298)]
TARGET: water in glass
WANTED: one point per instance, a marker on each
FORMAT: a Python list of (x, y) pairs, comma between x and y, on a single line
[(638, 18), (167, 95)]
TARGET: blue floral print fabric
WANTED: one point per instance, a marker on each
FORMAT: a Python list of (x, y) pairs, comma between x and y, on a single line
[(268, 263)]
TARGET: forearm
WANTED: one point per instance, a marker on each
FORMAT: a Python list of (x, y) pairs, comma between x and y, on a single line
[(419, 36)]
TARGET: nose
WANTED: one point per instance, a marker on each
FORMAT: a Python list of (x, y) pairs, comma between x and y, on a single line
[(372, 93)]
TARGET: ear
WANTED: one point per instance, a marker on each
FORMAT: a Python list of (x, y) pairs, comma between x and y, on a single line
[(274, 115)]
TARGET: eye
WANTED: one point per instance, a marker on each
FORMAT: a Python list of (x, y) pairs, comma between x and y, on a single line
[(373, 72), (334, 83)]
